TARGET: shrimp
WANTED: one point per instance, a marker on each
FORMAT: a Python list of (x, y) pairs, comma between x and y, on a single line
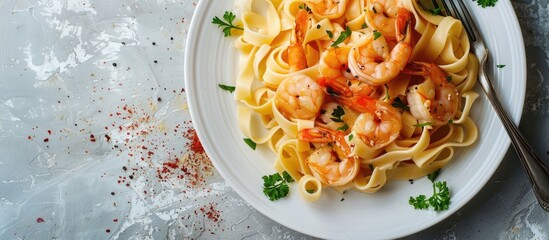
[(381, 15), (330, 9), (379, 123), (299, 96), (435, 100), (333, 164), (373, 63)]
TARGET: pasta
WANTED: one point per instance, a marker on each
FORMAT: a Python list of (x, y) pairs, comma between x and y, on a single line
[(352, 94)]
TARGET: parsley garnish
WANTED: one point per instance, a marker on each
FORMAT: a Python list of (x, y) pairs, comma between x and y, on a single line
[(486, 3), (432, 176), (423, 124), (440, 200), (304, 6), (351, 137), (337, 114), (343, 128), (330, 33), (227, 26), (275, 186), (227, 88), (376, 34), (250, 143), (311, 191), (500, 66), (344, 35), (364, 25), (436, 11), (448, 78), (399, 104), (450, 121)]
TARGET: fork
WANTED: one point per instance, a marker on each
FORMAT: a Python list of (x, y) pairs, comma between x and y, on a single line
[(537, 171)]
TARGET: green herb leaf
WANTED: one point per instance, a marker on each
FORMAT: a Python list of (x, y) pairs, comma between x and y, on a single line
[(440, 200), (228, 25), (275, 187), (450, 121), (432, 176), (441, 196), (344, 35), (343, 128), (311, 191), (287, 177), (436, 11), (364, 25), (419, 202), (330, 33), (423, 124), (486, 3), (399, 104), (304, 6), (376, 35), (500, 66), (227, 88), (351, 137), (337, 114), (250, 143), (449, 78)]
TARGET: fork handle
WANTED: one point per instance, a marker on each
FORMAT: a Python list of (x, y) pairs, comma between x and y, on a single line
[(537, 171)]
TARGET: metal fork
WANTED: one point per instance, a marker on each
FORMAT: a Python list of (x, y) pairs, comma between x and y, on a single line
[(537, 171)]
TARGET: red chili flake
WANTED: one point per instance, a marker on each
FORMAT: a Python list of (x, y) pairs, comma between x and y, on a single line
[(40, 220), (29, 137), (46, 139), (49, 132), (115, 220)]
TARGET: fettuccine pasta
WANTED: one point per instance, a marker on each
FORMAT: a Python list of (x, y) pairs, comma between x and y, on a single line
[(353, 94)]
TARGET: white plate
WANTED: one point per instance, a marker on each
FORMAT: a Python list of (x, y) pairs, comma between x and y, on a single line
[(211, 59)]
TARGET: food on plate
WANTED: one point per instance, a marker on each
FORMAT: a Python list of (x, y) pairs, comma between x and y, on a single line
[(351, 95)]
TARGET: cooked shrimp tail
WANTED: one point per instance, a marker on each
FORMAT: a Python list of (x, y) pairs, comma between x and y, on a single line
[(296, 53), (335, 86)]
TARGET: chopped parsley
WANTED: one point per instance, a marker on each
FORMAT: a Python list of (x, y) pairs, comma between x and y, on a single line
[(337, 114), (423, 124), (376, 34), (436, 11), (500, 66), (227, 88), (304, 6), (399, 104), (250, 143), (275, 186), (343, 128), (344, 35), (449, 78), (330, 33), (433, 176), (311, 191), (227, 26), (351, 137), (364, 25)]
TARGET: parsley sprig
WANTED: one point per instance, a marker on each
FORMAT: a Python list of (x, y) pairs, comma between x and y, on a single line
[(486, 3), (337, 114), (231, 89), (227, 26), (342, 36), (440, 200), (275, 186), (400, 104)]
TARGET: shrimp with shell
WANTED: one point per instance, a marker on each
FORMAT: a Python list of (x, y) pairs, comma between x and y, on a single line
[(373, 63), (435, 100), (333, 164), (330, 9), (299, 96)]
